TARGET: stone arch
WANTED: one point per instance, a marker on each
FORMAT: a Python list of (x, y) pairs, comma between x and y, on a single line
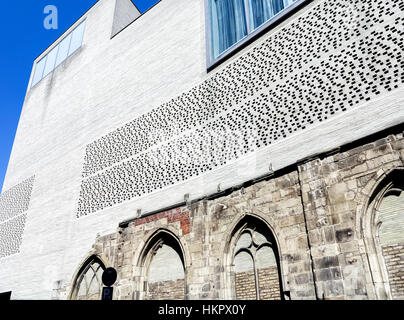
[(162, 266), (87, 282), (263, 275), (372, 217)]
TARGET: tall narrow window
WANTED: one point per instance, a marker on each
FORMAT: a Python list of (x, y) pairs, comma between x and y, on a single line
[(38, 73), (228, 24), (165, 269), (391, 239), (50, 61), (232, 21), (70, 43), (88, 285), (77, 38), (256, 265), (383, 226), (261, 11), (63, 49)]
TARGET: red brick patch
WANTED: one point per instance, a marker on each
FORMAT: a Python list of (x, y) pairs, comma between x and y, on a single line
[(173, 215)]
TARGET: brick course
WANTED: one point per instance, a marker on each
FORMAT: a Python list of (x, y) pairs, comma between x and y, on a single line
[(245, 285), (269, 284), (394, 259), (172, 216)]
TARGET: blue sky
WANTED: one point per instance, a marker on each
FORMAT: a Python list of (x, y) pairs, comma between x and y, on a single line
[(24, 38)]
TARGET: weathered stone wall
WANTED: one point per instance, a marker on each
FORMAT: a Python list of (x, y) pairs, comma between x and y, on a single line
[(91, 297), (334, 189), (204, 230), (315, 211), (167, 290)]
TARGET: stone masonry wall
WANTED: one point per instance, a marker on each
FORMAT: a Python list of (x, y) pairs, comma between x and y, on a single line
[(204, 230), (314, 210), (167, 290), (394, 259), (334, 191)]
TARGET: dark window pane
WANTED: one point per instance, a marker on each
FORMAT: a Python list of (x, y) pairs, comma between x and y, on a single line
[(228, 24), (260, 11)]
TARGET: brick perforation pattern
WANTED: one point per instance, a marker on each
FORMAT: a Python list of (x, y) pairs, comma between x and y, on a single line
[(14, 204), (15, 200), (333, 58)]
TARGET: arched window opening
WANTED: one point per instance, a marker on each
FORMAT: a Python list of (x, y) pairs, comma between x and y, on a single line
[(165, 269), (383, 226), (88, 285), (256, 264), (390, 237)]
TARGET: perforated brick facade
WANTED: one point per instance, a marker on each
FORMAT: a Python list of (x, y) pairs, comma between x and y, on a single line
[(135, 147)]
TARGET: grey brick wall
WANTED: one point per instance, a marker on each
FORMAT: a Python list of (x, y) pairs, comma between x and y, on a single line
[(109, 82)]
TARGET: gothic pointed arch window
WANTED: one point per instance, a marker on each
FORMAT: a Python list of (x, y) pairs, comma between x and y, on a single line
[(164, 268), (88, 284), (387, 232), (256, 263)]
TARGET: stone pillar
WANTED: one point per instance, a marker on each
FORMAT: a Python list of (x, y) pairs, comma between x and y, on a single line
[(330, 212)]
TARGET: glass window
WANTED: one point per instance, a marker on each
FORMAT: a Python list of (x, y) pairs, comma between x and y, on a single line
[(40, 66), (234, 20), (77, 38), (50, 61), (63, 50), (89, 285), (261, 11), (228, 24), (59, 53)]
